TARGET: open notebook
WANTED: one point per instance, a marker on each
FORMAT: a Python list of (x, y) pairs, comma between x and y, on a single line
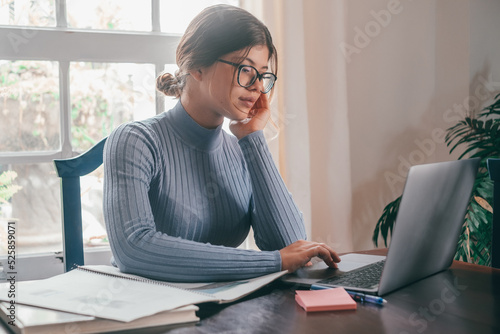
[(105, 292)]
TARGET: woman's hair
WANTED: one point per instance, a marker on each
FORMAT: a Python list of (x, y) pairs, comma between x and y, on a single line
[(216, 31)]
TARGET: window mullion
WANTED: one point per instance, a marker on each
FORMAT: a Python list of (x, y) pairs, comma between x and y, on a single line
[(61, 17), (19, 158), (155, 15), (64, 98), (155, 19), (65, 102), (160, 102)]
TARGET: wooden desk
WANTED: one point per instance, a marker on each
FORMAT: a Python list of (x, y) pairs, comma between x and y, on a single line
[(462, 299)]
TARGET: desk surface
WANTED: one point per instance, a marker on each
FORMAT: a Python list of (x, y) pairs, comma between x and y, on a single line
[(462, 299)]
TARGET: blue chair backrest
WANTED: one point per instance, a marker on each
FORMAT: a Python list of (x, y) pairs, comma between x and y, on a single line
[(494, 170), (70, 170)]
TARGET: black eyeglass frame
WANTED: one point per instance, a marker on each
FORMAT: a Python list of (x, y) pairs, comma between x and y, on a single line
[(259, 76)]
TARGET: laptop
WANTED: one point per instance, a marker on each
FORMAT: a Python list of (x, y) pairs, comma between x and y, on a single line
[(424, 239)]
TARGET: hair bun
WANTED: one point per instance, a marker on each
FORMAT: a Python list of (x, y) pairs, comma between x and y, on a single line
[(169, 84)]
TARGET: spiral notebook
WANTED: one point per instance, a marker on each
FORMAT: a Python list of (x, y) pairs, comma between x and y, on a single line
[(105, 292)]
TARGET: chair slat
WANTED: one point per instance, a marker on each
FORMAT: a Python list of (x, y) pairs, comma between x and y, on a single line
[(70, 171)]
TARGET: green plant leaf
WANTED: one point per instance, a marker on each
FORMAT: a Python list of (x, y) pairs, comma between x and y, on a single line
[(386, 222), (7, 188)]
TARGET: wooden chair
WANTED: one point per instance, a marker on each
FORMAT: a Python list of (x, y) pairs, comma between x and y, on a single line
[(494, 171), (70, 171)]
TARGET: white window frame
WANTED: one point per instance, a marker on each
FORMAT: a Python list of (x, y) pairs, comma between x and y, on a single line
[(45, 44)]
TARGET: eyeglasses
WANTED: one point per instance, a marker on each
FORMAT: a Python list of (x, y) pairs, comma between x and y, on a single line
[(248, 74)]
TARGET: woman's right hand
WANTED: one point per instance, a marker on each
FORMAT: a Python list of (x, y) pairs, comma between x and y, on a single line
[(300, 253), (257, 118)]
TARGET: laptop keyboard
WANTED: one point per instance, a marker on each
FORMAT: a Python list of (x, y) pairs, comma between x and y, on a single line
[(364, 277)]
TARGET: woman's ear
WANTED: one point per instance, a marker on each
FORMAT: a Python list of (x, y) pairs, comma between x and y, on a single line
[(197, 74)]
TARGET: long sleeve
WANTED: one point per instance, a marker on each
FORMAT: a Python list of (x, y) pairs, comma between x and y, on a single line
[(134, 208), (276, 220)]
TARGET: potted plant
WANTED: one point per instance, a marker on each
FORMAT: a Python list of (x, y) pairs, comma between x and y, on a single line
[(7, 189), (479, 135)]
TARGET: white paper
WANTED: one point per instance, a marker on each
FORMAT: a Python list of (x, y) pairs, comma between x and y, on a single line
[(107, 297)]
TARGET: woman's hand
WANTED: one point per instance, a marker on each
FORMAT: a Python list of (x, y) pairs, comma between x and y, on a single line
[(300, 253), (257, 118)]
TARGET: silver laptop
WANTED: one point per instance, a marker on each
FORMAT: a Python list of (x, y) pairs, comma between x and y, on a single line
[(424, 240)]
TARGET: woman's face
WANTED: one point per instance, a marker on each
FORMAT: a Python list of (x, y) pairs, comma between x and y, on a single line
[(228, 98)]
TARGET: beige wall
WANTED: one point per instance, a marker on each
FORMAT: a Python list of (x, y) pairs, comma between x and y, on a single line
[(484, 45), (408, 85), (412, 69)]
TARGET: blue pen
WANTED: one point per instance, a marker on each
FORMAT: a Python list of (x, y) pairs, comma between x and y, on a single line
[(357, 296), (364, 298)]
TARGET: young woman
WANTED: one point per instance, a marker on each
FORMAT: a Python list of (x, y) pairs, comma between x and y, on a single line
[(181, 194)]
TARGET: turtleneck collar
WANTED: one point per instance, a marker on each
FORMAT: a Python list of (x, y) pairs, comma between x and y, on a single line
[(191, 132)]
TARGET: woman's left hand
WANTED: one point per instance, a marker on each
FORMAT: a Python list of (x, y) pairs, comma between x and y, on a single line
[(257, 118)]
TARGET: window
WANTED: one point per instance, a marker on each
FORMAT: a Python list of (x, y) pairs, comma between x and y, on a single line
[(70, 72)]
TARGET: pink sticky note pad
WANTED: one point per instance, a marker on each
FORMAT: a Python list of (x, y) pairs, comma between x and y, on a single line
[(335, 299)]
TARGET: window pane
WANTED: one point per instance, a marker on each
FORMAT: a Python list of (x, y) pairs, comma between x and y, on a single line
[(176, 15), (94, 229), (31, 194), (36, 206), (29, 92), (104, 95), (109, 14), (39, 13)]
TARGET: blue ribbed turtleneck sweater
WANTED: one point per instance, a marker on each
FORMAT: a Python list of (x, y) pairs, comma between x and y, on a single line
[(178, 199)]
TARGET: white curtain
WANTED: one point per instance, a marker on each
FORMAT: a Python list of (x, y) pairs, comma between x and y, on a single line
[(311, 111)]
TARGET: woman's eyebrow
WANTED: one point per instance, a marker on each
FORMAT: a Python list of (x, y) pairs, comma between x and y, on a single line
[(253, 64)]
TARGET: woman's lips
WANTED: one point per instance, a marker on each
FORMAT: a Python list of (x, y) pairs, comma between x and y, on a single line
[(248, 101)]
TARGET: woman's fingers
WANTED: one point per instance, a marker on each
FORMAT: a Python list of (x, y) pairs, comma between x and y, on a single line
[(257, 119), (327, 255), (333, 254), (301, 252), (262, 102)]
